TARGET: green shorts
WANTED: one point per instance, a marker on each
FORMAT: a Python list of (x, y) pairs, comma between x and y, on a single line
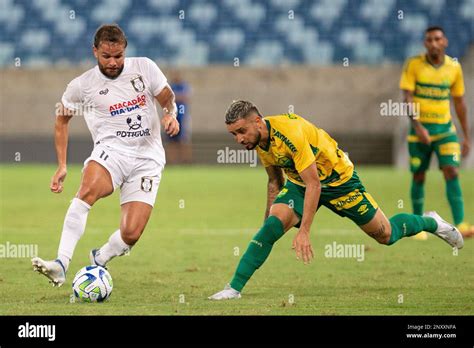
[(347, 200), (447, 150)]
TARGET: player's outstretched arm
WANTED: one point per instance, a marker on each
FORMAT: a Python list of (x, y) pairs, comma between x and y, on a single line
[(274, 186), (170, 124), (301, 242), (61, 135)]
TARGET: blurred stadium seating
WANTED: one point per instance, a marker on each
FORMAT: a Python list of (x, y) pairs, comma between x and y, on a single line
[(45, 32)]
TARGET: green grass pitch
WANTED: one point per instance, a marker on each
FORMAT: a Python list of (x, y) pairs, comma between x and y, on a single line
[(206, 215)]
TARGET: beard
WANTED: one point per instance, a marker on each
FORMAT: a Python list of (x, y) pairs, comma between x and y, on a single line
[(250, 146), (253, 145), (111, 74), (435, 54)]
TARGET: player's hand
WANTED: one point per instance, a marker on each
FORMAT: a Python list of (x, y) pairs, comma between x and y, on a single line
[(423, 135), (302, 246), (465, 147), (57, 180), (170, 125)]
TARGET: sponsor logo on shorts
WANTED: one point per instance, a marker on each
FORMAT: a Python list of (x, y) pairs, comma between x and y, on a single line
[(348, 201), (415, 161), (147, 184), (449, 149), (363, 209), (127, 105), (282, 192)]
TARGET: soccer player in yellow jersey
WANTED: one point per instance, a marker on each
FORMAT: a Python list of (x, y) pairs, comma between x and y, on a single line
[(429, 81), (317, 173)]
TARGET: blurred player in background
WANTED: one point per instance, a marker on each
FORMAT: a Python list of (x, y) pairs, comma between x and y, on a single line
[(178, 147), (318, 173), (429, 81), (118, 101)]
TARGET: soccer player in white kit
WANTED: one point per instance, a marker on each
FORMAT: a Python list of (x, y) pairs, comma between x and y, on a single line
[(118, 99)]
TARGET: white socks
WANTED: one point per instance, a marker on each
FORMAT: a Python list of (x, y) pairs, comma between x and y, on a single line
[(114, 247), (73, 229)]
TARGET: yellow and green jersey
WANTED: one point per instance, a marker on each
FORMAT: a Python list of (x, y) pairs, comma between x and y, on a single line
[(432, 88), (295, 144)]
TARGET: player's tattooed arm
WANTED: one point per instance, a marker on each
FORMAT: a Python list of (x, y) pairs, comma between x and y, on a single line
[(166, 98), (274, 186), (461, 112), (410, 108), (61, 135)]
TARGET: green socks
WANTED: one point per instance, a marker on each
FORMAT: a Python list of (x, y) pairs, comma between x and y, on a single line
[(417, 197), (453, 191), (257, 251), (407, 225)]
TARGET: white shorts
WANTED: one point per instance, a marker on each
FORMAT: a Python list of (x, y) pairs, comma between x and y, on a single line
[(138, 178)]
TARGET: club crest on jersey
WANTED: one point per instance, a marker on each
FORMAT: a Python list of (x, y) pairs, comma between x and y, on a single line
[(147, 183), (138, 84)]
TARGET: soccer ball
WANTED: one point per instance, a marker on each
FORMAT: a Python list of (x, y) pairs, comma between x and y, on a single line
[(92, 284)]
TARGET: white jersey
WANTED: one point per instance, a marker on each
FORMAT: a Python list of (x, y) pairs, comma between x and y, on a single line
[(121, 113)]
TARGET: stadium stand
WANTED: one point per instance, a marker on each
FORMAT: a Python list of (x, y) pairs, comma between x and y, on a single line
[(197, 33)]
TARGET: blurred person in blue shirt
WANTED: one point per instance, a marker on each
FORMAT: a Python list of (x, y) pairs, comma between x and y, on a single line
[(178, 147)]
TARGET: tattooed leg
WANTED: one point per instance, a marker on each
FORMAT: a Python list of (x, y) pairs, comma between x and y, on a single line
[(378, 228)]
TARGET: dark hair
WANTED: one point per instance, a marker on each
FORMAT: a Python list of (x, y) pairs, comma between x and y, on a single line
[(109, 33), (240, 109), (433, 28)]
